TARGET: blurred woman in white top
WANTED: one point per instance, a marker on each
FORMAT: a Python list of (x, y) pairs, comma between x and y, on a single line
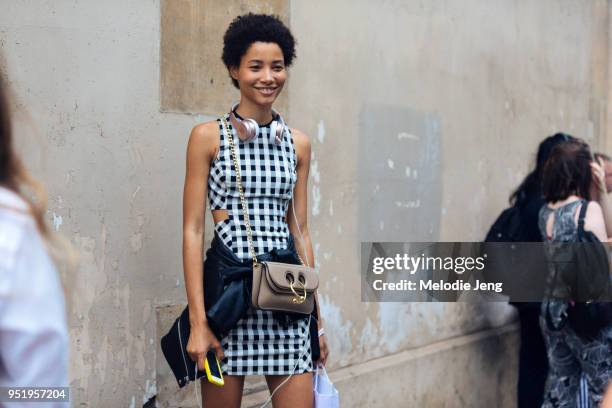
[(33, 333)]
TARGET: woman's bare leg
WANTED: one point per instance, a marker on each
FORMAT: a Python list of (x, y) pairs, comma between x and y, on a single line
[(228, 396), (295, 393)]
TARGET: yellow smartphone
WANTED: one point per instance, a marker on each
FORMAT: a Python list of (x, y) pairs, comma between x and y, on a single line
[(213, 369)]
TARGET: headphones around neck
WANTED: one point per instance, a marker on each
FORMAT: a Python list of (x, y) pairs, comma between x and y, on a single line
[(248, 128)]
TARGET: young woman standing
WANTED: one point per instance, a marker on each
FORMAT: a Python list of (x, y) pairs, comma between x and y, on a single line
[(34, 342), (568, 176), (533, 363), (274, 163)]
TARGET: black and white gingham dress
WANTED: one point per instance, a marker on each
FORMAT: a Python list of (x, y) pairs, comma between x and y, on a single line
[(259, 345)]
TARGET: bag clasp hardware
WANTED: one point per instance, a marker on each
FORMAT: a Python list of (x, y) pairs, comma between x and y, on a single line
[(299, 299)]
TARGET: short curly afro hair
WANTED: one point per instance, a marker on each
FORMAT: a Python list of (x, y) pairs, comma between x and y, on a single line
[(250, 28)]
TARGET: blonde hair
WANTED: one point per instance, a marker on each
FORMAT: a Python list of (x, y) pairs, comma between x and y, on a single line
[(15, 177)]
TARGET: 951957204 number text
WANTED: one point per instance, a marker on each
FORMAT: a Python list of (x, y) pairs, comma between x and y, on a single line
[(42, 394)]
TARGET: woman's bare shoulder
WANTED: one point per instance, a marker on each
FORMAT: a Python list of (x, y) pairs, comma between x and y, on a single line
[(594, 220), (302, 143), (206, 132), (204, 138), (594, 209), (299, 137)]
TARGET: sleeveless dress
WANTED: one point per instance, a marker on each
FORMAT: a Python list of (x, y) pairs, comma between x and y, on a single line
[(579, 369), (259, 344)]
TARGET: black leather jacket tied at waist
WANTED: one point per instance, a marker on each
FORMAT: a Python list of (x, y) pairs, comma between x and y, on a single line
[(228, 281)]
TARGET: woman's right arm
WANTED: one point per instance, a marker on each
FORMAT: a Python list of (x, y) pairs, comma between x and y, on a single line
[(599, 185), (201, 149), (594, 221)]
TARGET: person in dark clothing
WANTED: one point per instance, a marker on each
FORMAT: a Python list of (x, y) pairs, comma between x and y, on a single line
[(579, 345), (528, 195), (533, 363)]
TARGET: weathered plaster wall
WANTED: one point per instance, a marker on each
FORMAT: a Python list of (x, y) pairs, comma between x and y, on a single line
[(474, 84), (87, 73)]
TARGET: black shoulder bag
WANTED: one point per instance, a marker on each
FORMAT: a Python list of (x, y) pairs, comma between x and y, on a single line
[(588, 281)]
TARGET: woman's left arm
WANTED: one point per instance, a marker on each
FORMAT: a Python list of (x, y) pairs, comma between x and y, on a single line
[(298, 222)]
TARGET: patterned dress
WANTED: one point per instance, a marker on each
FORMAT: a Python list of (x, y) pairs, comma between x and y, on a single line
[(259, 344), (579, 369)]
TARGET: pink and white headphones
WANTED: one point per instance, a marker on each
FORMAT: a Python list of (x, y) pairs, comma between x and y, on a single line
[(248, 128)]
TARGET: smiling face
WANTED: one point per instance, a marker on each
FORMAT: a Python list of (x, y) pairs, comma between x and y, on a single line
[(261, 74)]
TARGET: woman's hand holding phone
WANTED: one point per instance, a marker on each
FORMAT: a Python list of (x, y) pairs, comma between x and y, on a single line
[(202, 339)]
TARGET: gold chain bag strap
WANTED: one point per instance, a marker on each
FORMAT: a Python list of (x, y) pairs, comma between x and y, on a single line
[(276, 285)]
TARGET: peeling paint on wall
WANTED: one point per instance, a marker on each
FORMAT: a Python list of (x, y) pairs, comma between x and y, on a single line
[(316, 189), (398, 323), (369, 340), (316, 248), (136, 242), (409, 204), (321, 131), (339, 330), (57, 221), (396, 144), (392, 332), (405, 135), (94, 351), (150, 390)]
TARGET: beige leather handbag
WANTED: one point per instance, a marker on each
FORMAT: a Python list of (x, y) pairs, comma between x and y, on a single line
[(276, 286)]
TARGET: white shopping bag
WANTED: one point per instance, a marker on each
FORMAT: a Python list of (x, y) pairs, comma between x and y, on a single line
[(325, 394)]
